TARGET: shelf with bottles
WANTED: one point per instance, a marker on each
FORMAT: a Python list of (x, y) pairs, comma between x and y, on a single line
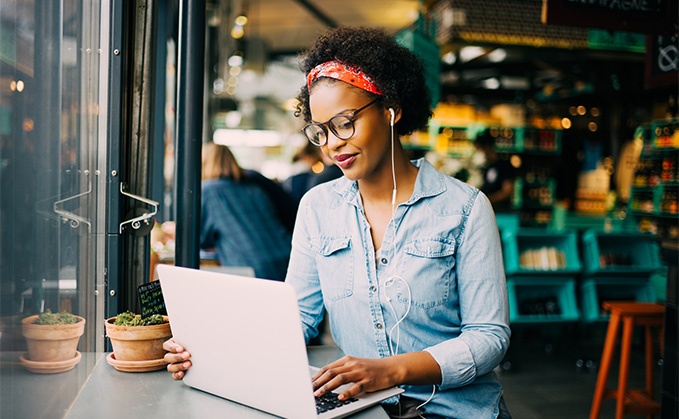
[(532, 251), (654, 197), (658, 202), (591, 202), (656, 169), (534, 192), (656, 183), (669, 200), (458, 141), (535, 218), (665, 134), (535, 187), (453, 141), (508, 139), (659, 133), (542, 141), (619, 253), (535, 300), (665, 228), (526, 140)]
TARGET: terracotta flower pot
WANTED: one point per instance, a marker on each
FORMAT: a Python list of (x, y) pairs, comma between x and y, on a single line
[(52, 343), (138, 343)]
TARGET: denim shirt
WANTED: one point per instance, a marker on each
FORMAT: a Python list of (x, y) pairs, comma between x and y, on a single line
[(438, 285)]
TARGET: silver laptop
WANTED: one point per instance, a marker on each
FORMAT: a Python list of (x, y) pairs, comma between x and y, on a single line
[(246, 342)]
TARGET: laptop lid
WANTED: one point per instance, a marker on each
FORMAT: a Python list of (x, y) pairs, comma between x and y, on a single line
[(246, 342)]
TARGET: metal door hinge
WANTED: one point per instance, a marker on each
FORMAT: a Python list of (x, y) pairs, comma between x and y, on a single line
[(74, 219), (146, 218)]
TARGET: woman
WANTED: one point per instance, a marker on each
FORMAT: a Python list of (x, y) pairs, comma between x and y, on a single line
[(406, 261), (239, 218)]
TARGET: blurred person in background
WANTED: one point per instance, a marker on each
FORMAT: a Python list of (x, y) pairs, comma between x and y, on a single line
[(314, 169), (239, 217)]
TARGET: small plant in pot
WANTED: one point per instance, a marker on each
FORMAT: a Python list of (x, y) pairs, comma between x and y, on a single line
[(137, 342), (52, 341)]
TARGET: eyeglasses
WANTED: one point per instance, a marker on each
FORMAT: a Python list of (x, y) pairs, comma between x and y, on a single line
[(342, 125)]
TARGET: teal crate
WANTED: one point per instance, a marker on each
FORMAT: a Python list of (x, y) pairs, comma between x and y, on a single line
[(600, 222), (540, 252), (620, 253), (659, 283), (539, 300), (594, 291), (507, 221)]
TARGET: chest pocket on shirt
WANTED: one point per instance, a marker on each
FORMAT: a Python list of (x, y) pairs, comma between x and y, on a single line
[(431, 263), (335, 262)]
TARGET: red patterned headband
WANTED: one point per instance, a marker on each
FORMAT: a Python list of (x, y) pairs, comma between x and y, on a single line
[(345, 73)]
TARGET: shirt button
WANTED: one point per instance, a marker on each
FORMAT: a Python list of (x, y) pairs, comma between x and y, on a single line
[(378, 325), (373, 288), (384, 261)]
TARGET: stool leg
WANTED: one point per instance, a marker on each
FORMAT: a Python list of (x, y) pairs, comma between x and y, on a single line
[(625, 351), (609, 345), (649, 361)]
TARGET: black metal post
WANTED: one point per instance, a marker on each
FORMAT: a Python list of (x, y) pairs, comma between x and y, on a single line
[(157, 179), (191, 72)]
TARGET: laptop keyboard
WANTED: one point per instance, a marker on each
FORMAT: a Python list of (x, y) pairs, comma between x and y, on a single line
[(329, 401)]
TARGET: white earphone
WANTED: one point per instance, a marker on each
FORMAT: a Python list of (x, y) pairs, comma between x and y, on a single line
[(393, 115)]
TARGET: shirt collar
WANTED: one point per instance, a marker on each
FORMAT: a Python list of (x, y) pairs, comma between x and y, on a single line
[(429, 182)]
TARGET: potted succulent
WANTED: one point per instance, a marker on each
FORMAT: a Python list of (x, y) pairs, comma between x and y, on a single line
[(52, 340), (137, 342)]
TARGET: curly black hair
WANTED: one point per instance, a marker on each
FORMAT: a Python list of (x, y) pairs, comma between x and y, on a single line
[(395, 70)]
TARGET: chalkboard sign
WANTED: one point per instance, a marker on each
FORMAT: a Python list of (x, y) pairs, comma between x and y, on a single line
[(151, 299)]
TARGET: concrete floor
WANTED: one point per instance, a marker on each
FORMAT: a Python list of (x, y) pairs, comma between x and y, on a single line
[(550, 371)]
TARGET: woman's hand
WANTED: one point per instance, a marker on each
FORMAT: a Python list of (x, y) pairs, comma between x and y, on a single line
[(367, 375), (177, 358)]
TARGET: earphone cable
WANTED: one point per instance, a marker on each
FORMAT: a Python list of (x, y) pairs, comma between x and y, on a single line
[(393, 175), (433, 391), (397, 326)]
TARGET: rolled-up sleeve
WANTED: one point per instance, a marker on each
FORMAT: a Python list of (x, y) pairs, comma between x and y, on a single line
[(484, 312)]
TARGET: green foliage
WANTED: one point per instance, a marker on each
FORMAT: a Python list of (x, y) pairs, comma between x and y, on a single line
[(49, 318), (130, 319)]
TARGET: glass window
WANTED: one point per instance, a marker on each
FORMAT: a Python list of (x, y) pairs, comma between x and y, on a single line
[(52, 158)]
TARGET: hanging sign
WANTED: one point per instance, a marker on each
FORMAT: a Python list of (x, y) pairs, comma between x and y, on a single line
[(662, 60), (642, 16)]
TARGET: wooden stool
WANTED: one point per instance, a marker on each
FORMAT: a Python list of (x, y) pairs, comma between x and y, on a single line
[(628, 401)]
